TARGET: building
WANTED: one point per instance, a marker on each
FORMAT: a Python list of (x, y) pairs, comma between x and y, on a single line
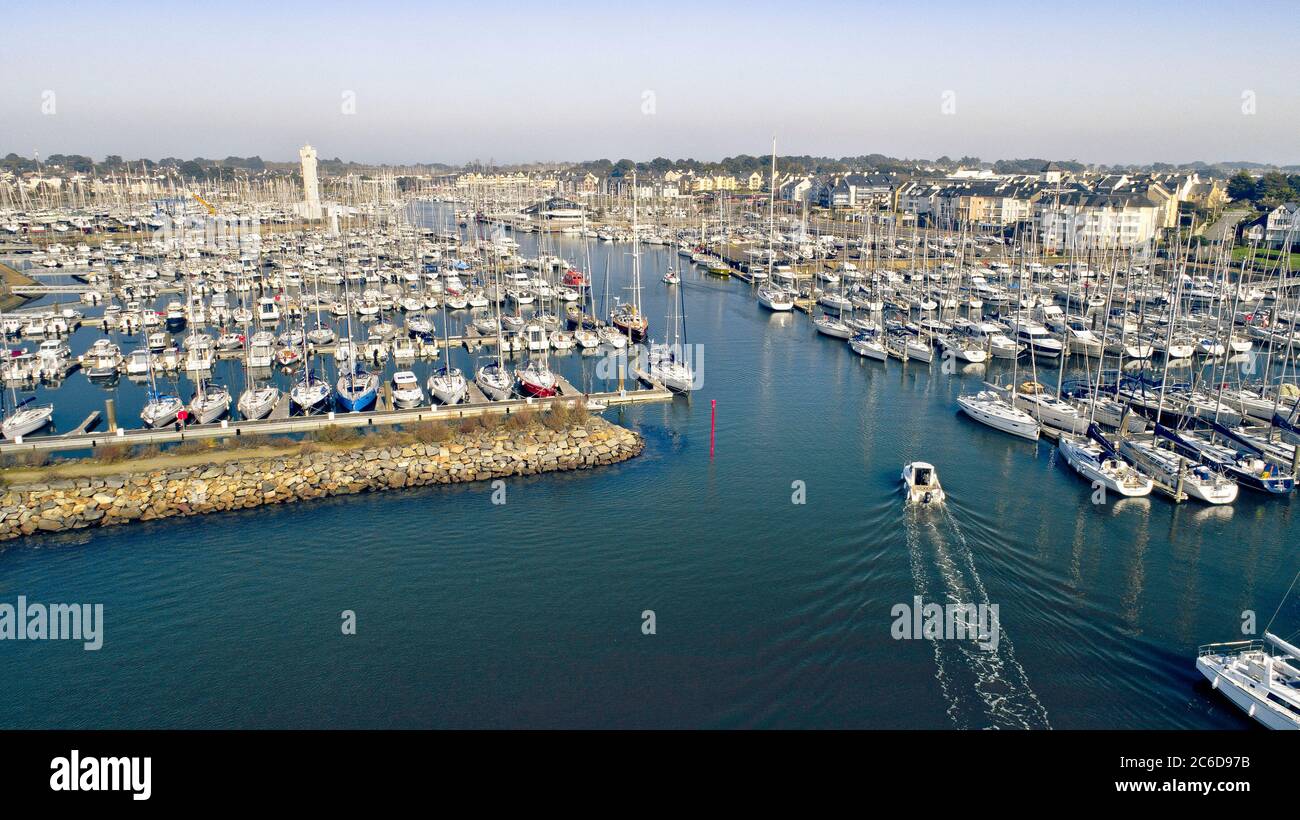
[(1282, 227), (310, 183), (1082, 220)]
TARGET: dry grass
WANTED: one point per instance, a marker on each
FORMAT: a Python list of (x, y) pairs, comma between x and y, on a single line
[(333, 434), (111, 453)]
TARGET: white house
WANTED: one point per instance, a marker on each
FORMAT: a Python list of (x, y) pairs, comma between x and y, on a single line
[(1283, 225)]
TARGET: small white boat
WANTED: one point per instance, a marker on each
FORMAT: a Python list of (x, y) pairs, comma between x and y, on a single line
[(921, 483), (407, 392)]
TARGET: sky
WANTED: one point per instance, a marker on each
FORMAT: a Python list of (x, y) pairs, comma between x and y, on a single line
[(388, 82)]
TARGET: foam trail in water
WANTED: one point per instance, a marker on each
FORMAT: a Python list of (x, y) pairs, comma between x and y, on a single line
[(999, 688)]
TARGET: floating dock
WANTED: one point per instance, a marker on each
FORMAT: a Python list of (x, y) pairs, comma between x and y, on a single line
[(281, 422)]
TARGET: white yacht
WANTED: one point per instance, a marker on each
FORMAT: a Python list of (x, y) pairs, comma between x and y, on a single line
[(26, 418), (258, 402), (987, 407), (210, 402), (1095, 464), (1196, 480), (407, 392), (775, 298), (1261, 677)]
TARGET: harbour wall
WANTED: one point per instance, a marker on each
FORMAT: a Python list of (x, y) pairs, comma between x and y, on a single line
[(102, 501)]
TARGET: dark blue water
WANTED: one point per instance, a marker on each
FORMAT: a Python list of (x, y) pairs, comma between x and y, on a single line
[(768, 613)]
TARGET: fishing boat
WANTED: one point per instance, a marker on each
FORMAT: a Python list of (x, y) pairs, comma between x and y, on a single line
[(1262, 678), (921, 484)]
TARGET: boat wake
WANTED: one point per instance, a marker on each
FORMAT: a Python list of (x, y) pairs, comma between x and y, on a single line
[(984, 688)]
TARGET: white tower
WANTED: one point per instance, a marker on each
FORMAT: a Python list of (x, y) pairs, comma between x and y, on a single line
[(310, 185)]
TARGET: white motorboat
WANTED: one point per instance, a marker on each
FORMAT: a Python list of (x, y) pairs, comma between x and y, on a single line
[(1262, 678), (921, 483), (987, 407), (407, 392)]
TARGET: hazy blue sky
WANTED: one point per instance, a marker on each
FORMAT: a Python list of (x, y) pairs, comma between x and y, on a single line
[(1095, 81)]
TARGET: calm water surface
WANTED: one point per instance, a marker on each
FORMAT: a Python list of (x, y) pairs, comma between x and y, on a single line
[(769, 613)]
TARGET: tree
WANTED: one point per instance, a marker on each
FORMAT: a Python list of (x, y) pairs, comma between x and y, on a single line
[(1242, 187)]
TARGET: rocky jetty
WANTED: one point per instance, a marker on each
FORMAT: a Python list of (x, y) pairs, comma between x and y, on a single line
[(78, 503)]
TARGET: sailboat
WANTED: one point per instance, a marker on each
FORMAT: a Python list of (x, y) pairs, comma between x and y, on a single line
[(256, 402), (357, 387), (494, 378), (627, 316), (447, 384), (772, 295), (26, 417), (1262, 678), (668, 363), (209, 403)]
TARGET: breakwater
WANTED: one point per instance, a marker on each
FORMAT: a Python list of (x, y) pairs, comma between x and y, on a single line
[(312, 471)]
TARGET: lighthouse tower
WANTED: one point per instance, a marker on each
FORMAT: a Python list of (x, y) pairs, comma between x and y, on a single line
[(311, 186)]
